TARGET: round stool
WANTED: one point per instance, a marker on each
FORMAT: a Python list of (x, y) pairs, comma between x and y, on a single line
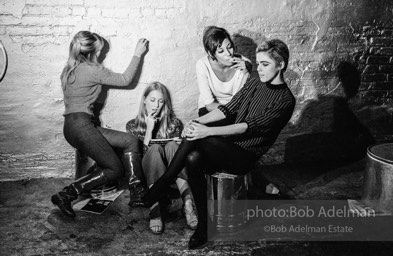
[(378, 180), (227, 205), (85, 165)]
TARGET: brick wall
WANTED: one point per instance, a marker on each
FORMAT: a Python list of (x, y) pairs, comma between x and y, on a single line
[(321, 35), (377, 64)]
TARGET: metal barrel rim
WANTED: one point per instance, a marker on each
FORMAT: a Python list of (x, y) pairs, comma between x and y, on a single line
[(374, 155)]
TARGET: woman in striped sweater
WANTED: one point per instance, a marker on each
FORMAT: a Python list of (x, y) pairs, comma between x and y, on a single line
[(260, 109)]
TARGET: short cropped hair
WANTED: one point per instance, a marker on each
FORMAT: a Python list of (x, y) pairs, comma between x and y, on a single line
[(277, 50), (213, 38)]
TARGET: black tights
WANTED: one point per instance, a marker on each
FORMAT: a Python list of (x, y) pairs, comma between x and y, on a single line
[(208, 155)]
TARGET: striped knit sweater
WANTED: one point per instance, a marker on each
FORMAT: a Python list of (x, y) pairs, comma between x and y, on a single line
[(266, 108)]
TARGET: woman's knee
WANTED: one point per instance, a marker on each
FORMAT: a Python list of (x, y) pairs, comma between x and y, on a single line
[(155, 149), (171, 146), (194, 158)]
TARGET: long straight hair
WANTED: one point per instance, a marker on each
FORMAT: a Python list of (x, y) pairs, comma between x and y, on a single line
[(166, 116), (83, 49)]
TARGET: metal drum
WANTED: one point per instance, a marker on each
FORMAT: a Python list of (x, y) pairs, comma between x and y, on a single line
[(85, 165), (227, 204), (378, 180)]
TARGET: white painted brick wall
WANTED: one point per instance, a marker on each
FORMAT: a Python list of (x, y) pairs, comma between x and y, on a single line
[(37, 33), (55, 2)]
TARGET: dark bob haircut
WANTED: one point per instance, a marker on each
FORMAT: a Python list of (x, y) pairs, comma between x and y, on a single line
[(213, 38)]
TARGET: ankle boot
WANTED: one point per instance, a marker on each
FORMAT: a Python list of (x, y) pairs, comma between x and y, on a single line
[(199, 238), (64, 198), (133, 169), (198, 187), (205, 226)]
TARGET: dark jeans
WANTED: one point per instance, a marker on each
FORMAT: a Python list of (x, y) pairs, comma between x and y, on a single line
[(99, 143)]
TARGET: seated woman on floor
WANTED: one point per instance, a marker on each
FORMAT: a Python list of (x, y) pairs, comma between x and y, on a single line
[(156, 120)]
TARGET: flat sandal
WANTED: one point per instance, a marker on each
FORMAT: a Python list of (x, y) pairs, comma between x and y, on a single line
[(191, 217)]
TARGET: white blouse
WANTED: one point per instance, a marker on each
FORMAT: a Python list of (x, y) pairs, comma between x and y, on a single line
[(211, 88)]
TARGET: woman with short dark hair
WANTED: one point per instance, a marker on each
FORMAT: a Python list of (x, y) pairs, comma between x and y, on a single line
[(222, 73)]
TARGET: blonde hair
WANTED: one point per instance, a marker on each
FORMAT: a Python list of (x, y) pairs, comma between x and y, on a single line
[(277, 50), (166, 117), (83, 49)]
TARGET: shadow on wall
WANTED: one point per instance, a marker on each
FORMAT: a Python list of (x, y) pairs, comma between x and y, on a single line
[(100, 102), (334, 135), (246, 47)]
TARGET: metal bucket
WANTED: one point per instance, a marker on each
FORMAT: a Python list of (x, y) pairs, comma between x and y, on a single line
[(85, 165), (378, 180), (227, 204)]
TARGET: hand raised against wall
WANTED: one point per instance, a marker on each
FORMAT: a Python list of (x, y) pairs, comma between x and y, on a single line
[(141, 47)]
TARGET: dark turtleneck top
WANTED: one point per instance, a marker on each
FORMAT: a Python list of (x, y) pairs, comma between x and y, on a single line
[(266, 108)]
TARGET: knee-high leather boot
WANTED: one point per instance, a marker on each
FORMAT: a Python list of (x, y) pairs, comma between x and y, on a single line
[(64, 198), (133, 169)]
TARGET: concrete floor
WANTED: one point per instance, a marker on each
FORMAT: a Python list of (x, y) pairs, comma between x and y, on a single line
[(31, 225)]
